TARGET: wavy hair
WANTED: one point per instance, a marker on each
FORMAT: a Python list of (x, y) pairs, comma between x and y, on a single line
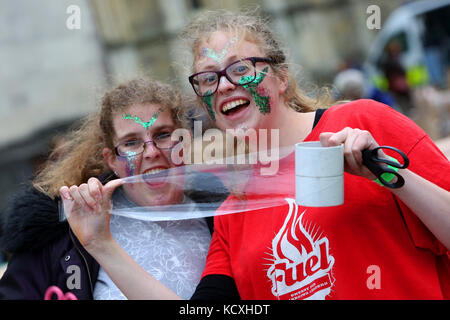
[(253, 28), (81, 155)]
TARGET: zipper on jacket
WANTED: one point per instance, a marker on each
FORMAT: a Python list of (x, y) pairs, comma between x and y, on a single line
[(85, 263)]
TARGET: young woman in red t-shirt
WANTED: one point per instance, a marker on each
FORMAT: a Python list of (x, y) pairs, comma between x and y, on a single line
[(381, 244)]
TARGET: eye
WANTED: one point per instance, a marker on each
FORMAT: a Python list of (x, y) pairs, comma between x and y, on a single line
[(132, 143), (240, 68), (207, 78), (163, 135)]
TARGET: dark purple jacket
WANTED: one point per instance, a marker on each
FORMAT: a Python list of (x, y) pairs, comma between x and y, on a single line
[(42, 251), (45, 252)]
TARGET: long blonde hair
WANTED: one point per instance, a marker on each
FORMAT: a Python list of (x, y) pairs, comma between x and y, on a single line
[(251, 27), (81, 156)]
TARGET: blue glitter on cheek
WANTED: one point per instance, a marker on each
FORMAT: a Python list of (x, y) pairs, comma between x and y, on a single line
[(130, 159)]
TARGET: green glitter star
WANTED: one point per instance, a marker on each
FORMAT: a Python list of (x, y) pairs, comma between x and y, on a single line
[(261, 101), (208, 100), (138, 120), (208, 52)]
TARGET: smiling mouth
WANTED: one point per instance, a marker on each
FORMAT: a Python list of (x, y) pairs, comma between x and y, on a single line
[(234, 106), (155, 176)]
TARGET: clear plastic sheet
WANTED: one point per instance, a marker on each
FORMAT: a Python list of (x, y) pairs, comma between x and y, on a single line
[(208, 185)]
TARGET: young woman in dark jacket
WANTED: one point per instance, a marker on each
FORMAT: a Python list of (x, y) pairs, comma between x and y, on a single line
[(44, 251)]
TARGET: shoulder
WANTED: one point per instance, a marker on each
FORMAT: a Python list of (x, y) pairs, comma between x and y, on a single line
[(206, 187), (382, 121), (363, 108), (369, 112), (387, 126), (30, 221)]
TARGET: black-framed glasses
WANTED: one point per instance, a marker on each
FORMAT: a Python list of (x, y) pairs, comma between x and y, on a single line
[(239, 73), (136, 147)]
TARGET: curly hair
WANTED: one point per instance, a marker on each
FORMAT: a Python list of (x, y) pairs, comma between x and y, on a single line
[(253, 28), (81, 155)]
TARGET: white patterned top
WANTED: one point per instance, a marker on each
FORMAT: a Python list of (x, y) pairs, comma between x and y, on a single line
[(174, 252)]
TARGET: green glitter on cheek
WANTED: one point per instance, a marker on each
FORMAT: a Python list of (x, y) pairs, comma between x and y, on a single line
[(262, 102), (208, 100), (138, 120)]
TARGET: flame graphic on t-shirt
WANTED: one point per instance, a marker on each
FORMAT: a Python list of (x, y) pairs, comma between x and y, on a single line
[(302, 263), (293, 241)]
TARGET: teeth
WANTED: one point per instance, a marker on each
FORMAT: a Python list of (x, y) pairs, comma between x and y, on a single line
[(232, 104), (153, 171)]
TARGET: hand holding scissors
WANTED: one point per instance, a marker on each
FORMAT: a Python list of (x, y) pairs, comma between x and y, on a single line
[(361, 156), (375, 165)]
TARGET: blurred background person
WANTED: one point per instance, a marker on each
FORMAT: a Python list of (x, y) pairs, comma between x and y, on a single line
[(351, 84), (396, 75)]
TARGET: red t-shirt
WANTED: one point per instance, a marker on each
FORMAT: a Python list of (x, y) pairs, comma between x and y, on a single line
[(371, 247)]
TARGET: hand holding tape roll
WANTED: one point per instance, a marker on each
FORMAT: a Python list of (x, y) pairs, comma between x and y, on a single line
[(319, 174)]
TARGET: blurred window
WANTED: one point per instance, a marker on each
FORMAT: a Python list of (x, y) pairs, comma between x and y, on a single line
[(195, 4), (436, 42), (437, 27)]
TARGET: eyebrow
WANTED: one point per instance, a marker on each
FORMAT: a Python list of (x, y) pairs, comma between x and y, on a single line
[(215, 67), (136, 134)]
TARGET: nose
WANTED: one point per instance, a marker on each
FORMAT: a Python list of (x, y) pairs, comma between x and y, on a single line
[(150, 150), (225, 85)]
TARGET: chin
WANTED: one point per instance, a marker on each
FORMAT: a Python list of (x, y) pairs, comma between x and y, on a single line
[(164, 199), (165, 196)]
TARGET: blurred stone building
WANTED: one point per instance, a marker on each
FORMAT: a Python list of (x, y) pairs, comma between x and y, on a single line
[(52, 75)]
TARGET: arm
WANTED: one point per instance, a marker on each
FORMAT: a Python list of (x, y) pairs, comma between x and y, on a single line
[(428, 201), (129, 277), (87, 209), (216, 287)]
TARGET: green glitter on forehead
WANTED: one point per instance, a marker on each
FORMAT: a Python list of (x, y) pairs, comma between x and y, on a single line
[(210, 53), (208, 100), (261, 101), (138, 120)]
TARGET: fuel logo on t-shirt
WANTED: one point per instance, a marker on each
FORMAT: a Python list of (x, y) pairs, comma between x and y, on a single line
[(302, 264)]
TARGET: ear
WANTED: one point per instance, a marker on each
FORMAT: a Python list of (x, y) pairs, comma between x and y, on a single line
[(110, 158), (283, 84)]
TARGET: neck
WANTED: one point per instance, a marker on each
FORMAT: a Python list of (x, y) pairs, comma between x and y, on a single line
[(296, 128), (291, 126)]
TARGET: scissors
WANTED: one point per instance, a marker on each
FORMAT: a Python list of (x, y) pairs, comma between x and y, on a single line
[(59, 294), (373, 163)]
